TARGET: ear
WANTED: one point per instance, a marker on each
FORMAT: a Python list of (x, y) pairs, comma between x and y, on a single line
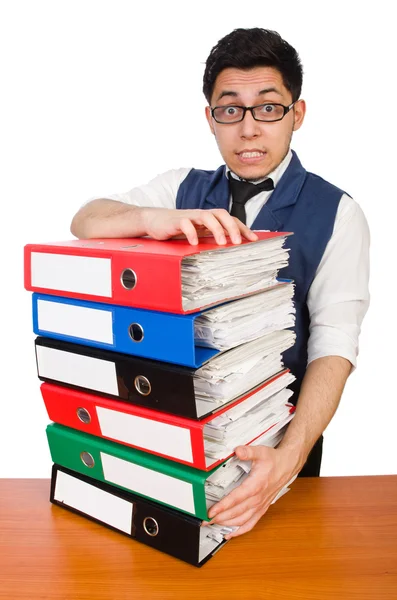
[(209, 119), (299, 114)]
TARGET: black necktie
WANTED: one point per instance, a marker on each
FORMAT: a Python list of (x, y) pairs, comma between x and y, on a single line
[(242, 191)]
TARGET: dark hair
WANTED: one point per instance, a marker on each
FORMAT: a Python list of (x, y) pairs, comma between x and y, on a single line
[(249, 48)]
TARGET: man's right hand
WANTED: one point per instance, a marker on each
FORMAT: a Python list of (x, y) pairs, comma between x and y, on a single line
[(164, 223), (104, 218)]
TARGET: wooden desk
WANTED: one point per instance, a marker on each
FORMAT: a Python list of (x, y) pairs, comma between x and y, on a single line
[(332, 538)]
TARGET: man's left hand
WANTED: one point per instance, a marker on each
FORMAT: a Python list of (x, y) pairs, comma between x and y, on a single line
[(243, 507)]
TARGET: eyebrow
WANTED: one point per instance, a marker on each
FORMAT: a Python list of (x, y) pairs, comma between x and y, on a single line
[(235, 94)]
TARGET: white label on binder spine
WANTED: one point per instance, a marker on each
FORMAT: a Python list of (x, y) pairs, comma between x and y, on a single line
[(76, 321), (162, 438), (152, 484), (93, 502), (77, 369), (76, 274)]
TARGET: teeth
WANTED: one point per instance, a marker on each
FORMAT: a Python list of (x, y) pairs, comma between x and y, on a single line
[(251, 154)]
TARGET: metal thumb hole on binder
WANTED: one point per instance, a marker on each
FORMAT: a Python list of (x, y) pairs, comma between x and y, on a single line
[(83, 415), (128, 279), (151, 526), (142, 385), (87, 459), (136, 332)]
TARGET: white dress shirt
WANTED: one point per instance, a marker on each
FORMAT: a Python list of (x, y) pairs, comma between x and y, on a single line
[(338, 297)]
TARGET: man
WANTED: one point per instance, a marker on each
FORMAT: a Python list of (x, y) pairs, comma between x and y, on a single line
[(252, 83)]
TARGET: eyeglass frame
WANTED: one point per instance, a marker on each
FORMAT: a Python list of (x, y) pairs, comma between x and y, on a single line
[(251, 109)]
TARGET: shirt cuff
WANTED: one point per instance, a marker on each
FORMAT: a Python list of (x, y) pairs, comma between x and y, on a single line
[(330, 341)]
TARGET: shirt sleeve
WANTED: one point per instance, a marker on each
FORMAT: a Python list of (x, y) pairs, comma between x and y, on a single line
[(160, 192), (338, 298)]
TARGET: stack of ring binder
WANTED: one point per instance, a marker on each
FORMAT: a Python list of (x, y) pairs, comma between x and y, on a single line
[(157, 359)]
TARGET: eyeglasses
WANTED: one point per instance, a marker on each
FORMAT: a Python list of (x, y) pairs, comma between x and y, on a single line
[(261, 112)]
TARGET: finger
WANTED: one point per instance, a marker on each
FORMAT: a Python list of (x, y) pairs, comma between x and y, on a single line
[(238, 509), (246, 527), (238, 520), (249, 452), (187, 227), (246, 231), (235, 227), (229, 224), (255, 453), (208, 219), (244, 491)]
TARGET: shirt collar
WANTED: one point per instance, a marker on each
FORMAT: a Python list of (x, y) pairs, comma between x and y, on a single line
[(276, 174)]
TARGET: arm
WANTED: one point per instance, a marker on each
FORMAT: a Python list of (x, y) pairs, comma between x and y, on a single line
[(104, 218), (150, 210), (319, 398)]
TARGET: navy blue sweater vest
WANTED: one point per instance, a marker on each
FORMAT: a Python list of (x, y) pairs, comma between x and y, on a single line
[(302, 203)]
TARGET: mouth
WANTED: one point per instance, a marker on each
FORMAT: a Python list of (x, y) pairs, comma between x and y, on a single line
[(251, 156)]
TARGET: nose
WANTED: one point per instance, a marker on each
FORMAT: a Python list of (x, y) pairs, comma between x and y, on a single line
[(249, 127)]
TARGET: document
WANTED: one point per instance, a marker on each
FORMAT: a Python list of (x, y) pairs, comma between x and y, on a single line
[(241, 425), (243, 320), (211, 276), (232, 373)]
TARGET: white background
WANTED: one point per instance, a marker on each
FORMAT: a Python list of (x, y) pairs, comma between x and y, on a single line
[(99, 96)]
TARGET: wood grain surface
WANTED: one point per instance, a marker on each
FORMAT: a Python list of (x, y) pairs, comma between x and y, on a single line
[(329, 538)]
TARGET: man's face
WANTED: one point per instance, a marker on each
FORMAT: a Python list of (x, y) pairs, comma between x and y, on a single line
[(250, 148)]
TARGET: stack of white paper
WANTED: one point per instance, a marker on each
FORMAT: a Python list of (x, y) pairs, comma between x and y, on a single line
[(244, 422), (231, 374), (208, 277), (217, 532), (246, 319), (251, 333), (234, 471)]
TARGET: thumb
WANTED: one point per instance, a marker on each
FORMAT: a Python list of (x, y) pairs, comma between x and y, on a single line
[(245, 452)]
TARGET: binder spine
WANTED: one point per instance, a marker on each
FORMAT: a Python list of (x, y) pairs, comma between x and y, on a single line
[(149, 334), (154, 385), (157, 479), (150, 431), (126, 278), (158, 527)]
